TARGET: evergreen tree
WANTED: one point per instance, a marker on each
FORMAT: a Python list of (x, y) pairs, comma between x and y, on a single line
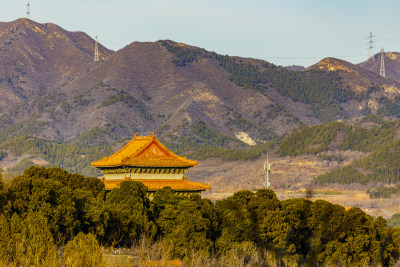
[(188, 226), (129, 214)]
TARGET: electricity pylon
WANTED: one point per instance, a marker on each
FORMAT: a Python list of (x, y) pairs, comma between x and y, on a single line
[(382, 71), (96, 51)]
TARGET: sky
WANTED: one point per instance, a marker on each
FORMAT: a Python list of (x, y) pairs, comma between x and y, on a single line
[(283, 32)]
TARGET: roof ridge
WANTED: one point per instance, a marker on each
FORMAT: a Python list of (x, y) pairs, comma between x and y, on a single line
[(143, 148), (129, 154), (135, 138), (119, 151), (173, 154)]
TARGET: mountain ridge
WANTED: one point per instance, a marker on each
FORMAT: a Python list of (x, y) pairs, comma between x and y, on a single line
[(37, 58), (192, 98), (391, 61)]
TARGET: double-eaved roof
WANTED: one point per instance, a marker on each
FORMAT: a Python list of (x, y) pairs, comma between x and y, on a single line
[(144, 151)]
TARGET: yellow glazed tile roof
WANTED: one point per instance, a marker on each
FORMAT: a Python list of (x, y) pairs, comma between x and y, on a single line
[(144, 151), (156, 184)]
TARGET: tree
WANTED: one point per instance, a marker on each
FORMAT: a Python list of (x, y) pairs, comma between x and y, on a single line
[(72, 180), (70, 202), (242, 215), (189, 226), (38, 242), (49, 197), (235, 223), (4, 240), (1, 182), (3, 196), (83, 250), (326, 222), (91, 212), (286, 230), (164, 197), (394, 220), (30, 241), (130, 214)]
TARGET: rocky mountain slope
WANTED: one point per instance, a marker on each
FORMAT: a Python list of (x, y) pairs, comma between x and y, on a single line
[(36, 59), (392, 64), (145, 87), (373, 93), (139, 88), (55, 96)]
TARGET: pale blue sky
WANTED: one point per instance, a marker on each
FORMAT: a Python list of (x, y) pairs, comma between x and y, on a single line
[(284, 32)]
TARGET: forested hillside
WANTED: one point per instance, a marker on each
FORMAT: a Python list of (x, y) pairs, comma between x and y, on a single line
[(45, 211), (377, 139), (325, 87), (69, 111)]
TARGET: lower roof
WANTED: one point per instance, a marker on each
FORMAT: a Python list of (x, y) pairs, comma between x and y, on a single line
[(179, 185)]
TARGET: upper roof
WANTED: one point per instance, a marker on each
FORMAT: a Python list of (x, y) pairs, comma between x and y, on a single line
[(144, 151)]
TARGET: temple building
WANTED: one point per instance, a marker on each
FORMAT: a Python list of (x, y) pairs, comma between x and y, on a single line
[(146, 160)]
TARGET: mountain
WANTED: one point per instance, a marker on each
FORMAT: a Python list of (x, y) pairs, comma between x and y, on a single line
[(36, 59), (371, 92), (354, 77), (392, 64), (174, 89), (140, 88), (55, 98), (296, 68)]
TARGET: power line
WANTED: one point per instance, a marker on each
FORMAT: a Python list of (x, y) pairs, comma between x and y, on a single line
[(350, 50), (390, 38), (347, 45), (386, 33)]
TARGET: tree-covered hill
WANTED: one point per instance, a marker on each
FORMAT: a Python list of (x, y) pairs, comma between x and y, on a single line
[(45, 211), (326, 88), (376, 138)]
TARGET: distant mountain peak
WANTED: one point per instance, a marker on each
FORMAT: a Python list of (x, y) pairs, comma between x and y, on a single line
[(393, 55), (25, 23), (38, 58), (295, 68), (333, 64), (392, 64), (356, 77)]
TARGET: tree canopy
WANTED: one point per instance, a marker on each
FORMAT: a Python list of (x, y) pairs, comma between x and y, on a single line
[(48, 208)]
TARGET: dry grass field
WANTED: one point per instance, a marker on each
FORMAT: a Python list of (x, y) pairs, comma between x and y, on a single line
[(290, 177)]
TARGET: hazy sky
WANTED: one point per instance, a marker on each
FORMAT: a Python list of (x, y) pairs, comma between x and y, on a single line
[(284, 32)]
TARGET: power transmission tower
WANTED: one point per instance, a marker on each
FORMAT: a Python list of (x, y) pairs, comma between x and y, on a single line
[(96, 51), (28, 11), (267, 170), (382, 71), (371, 46)]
